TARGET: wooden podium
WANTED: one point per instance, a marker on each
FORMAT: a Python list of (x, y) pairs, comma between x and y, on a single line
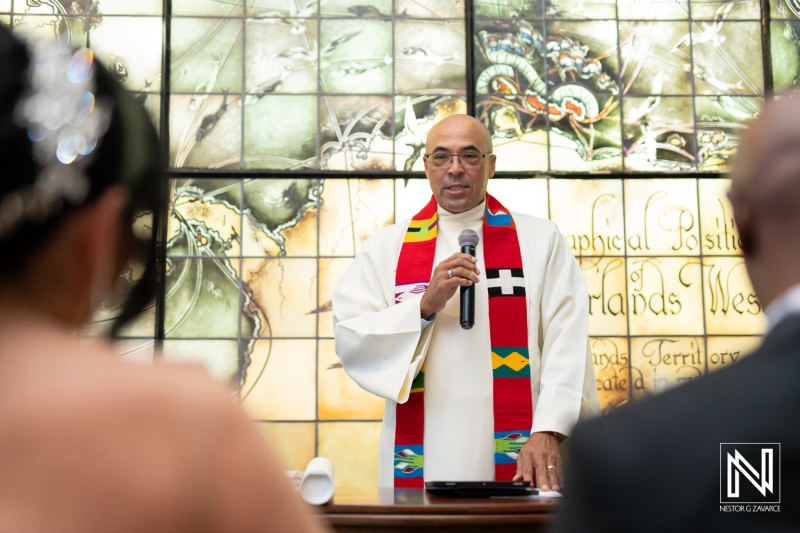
[(366, 510)]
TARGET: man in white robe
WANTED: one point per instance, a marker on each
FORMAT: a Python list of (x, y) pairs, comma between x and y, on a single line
[(383, 345)]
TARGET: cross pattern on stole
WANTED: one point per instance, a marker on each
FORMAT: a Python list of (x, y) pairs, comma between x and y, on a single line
[(505, 280)]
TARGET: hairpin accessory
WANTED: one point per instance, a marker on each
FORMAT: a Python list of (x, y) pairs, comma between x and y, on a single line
[(65, 122)]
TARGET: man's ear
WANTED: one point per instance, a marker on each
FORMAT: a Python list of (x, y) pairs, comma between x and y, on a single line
[(492, 163)]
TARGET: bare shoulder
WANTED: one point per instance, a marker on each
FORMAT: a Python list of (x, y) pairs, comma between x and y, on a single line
[(161, 437)]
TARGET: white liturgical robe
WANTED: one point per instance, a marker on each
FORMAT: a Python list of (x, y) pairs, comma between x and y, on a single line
[(382, 346)]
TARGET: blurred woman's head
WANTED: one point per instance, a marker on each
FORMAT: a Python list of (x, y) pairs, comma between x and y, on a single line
[(68, 134)]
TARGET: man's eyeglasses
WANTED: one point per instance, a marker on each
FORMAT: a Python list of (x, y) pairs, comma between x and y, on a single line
[(469, 158)]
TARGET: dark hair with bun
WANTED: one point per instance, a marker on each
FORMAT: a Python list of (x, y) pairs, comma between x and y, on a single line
[(128, 154)]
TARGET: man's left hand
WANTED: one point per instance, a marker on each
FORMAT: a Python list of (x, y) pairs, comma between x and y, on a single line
[(540, 456)]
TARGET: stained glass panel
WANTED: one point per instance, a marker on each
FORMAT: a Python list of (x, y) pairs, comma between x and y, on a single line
[(429, 55), (720, 123), (608, 307), (661, 217), (731, 306), (784, 43), (218, 357), (206, 55), (294, 442), (579, 10), (653, 9), (664, 296), (589, 214), (207, 8), (283, 295), (339, 396), (727, 57), (785, 52), (278, 58), (611, 367), (282, 8), (663, 140), (125, 7), (330, 270), (660, 363), (528, 196), (350, 212), (205, 218), (434, 9), (133, 49), (204, 131), (353, 448), (718, 229), (280, 380), (725, 351), (356, 133), (275, 147), (201, 293), (717, 9), (356, 56), (508, 8), (357, 8), (282, 214)]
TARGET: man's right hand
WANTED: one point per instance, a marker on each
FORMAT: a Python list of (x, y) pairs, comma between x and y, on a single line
[(456, 271)]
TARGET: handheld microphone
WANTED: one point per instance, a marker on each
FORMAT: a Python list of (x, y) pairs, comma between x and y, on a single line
[(468, 240)]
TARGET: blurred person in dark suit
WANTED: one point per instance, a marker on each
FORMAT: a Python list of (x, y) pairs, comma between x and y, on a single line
[(88, 441), (658, 465)]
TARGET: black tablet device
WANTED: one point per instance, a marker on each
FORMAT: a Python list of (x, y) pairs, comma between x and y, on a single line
[(481, 488)]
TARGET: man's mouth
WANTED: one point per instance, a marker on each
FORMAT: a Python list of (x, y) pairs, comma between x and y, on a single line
[(456, 188)]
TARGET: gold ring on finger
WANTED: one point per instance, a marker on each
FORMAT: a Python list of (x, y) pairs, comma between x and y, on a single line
[(551, 466)]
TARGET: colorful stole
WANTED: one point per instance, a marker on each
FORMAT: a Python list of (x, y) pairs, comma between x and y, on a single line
[(508, 332)]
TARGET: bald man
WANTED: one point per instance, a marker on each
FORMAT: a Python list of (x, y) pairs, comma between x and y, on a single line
[(490, 402), (661, 465)]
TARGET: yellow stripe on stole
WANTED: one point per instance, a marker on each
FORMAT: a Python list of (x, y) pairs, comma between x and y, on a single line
[(427, 230)]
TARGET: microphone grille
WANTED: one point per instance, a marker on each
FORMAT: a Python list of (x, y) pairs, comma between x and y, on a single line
[(468, 238)]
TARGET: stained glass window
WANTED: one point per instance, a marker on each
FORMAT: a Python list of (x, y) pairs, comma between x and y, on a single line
[(295, 130)]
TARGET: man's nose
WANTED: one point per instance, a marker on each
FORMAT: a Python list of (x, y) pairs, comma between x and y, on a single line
[(455, 166)]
